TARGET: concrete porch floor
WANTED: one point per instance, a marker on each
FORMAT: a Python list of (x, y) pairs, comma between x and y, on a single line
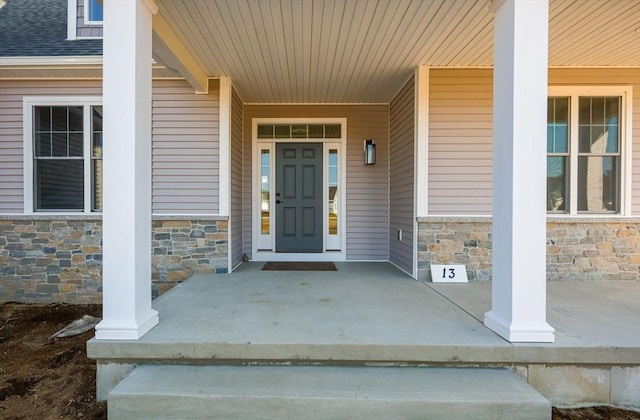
[(374, 314)]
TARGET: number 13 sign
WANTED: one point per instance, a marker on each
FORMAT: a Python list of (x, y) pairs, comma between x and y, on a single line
[(453, 273)]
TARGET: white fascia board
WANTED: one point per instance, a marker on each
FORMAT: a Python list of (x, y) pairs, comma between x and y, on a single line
[(51, 61), (224, 205), (178, 53), (72, 11)]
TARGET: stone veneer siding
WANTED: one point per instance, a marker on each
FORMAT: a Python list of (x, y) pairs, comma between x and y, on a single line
[(59, 258), (184, 247), (577, 248)]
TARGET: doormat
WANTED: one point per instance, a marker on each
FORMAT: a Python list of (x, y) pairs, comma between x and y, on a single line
[(300, 266)]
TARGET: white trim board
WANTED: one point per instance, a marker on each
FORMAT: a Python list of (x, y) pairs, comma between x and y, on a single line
[(28, 102), (263, 246)]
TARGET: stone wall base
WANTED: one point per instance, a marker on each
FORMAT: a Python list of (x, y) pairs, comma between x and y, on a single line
[(59, 259), (577, 249)]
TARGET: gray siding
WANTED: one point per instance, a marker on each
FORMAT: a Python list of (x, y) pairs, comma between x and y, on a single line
[(461, 134), (367, 189), (11, 131), (236, 180), (185, 162), (185, 143), (460, 141), (401, 175)]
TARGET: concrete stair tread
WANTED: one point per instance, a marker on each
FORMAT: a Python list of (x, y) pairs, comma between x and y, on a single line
[(189, 391)]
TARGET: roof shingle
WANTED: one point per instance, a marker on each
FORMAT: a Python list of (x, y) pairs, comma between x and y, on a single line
[(30, 28)]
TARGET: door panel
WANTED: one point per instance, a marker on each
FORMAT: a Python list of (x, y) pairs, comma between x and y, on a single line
[(299, 197)]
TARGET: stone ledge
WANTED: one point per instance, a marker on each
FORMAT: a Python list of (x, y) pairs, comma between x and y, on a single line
[(98, 216), (189, 217), (65, 216), (550, 219)]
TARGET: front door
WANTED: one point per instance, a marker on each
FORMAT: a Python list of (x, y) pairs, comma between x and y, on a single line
[(299, 197)]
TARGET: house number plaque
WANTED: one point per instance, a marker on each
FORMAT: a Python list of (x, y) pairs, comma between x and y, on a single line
[(449, 273)]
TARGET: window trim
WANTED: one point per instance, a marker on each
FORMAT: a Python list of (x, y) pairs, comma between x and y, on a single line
[(87, 21), (626, 96), (28, 103), (263, 246)]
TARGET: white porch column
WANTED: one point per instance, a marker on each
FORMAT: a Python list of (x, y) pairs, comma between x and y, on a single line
[(421, 155), (519, 157), (127, 313)]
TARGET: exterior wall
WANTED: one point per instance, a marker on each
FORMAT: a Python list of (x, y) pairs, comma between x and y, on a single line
[(236, 179), (367, 188), (185, 156), (59, 258), (460, 184), (460, 141), (460, 134), (44, 259), (183, 247), (577, 249), (401, 177), (185, 142), (11, 130), (455, 240)]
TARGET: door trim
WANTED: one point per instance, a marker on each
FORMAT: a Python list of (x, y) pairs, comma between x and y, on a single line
[(263, 246)]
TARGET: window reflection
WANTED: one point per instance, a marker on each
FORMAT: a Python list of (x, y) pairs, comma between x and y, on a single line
[(557, 153), (333, 192), (599, 157), (96, 156), (264, 188)]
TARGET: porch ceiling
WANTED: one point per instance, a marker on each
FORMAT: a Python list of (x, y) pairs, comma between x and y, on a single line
[(346, 51)]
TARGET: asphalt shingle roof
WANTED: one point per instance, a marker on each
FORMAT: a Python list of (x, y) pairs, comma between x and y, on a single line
[(35, 28)]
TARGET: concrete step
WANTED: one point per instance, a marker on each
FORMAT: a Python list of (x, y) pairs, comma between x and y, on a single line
[(323, 392)]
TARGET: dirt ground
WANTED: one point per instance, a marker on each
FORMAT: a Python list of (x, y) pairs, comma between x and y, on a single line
[(43, 378)]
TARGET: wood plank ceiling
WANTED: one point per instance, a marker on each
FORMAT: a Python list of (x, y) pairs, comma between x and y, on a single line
[(362, 51)]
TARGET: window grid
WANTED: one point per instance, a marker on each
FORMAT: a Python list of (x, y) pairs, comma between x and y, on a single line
[(299, 131), (558, 151), (588, 174), (598, 154), (64, 168)]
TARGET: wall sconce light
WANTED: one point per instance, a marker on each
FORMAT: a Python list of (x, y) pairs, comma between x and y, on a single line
[(369, 152)]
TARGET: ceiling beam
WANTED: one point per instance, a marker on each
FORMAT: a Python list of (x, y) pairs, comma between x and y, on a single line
[(173, 53)]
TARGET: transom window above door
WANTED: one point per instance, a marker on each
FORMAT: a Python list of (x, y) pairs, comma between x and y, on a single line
[(299, 131)]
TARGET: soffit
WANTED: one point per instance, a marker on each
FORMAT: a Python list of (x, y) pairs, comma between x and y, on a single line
[(348, 51), (340, 51)]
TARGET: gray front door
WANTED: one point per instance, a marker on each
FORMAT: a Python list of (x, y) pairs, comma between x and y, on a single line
[(299, 197)]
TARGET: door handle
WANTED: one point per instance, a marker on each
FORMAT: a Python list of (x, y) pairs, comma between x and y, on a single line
[(278, 201)]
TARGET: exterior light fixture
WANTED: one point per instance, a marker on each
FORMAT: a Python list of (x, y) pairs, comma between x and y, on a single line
[(369, 152)]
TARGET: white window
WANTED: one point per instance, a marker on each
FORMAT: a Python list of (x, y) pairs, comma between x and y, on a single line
[(588, 150), (93, 12), (63, 154)]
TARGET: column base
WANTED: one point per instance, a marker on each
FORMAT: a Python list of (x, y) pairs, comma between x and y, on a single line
[(126, 330), (529, 332)]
